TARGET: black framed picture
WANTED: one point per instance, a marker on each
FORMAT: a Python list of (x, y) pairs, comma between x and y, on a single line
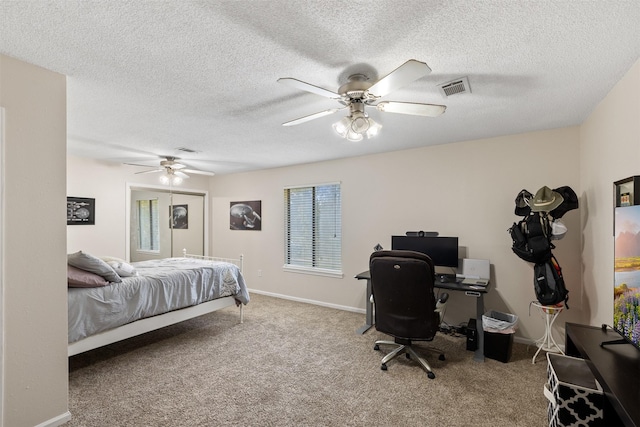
[(81, 211), (179, 217), (246, 215)]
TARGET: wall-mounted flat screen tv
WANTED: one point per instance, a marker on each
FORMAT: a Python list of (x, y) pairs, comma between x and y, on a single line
[(626, 295)]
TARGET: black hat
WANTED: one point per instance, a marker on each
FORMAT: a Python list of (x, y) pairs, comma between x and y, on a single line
[(569, 202), (522, 203)]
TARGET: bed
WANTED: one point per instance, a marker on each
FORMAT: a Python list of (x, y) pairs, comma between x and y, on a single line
[(154, 294)]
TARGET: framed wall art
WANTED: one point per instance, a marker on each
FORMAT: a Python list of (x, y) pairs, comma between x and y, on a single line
[(246, 215), (179, 217), (81, 211)]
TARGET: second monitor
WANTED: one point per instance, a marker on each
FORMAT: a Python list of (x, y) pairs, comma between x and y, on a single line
[(443, 251)]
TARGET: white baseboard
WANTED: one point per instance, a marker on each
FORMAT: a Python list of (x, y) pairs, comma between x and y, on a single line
[(309, 301), (56, 421)]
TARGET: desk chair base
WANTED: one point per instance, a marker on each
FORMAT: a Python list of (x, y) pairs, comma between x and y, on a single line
[(409, 351)]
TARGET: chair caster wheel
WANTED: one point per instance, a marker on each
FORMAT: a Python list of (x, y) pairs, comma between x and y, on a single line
[(376, 347), (383, 366), (431, 375), (441, 357)]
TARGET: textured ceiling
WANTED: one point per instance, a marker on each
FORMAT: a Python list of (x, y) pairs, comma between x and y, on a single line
[(148, 77)]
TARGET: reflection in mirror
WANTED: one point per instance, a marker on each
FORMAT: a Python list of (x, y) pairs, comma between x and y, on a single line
[(164, 222)]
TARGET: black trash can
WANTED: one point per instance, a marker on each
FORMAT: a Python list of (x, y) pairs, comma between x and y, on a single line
[(498, 335)]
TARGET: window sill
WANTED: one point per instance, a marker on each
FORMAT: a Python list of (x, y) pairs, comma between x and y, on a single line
[(313, 271)]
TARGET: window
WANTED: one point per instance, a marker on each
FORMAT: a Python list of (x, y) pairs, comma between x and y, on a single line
[(313, 229), (148, 225)]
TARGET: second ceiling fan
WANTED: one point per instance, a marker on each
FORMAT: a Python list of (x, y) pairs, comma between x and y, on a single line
[(359, 93), (174, 171)]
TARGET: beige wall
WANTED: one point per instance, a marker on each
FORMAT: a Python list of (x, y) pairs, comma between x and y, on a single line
[(34, 264), (465, 189), (609, 151)]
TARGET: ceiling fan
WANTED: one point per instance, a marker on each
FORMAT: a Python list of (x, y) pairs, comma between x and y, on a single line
[(359, 93), (174, 171)]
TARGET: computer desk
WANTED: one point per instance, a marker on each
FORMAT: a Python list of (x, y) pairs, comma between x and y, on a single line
[(476, 292)]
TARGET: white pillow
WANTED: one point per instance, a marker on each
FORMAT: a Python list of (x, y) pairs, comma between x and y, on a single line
[(123, 269)]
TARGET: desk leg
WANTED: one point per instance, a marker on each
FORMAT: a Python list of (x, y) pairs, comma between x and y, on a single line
[(369, 311), (479, 353)]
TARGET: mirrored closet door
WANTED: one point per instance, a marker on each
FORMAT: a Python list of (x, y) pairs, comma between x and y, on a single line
[(164, 222)]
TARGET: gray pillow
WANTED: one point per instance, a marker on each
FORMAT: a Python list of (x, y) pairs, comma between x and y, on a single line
[(93, 264)]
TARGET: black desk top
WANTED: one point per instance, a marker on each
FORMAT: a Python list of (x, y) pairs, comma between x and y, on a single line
[(452, 286), (616, 367)]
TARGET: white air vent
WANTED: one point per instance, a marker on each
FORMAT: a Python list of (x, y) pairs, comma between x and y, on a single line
[(455, 87)]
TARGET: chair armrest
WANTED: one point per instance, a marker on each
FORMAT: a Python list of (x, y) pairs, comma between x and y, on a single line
[(443, 298), (441, 304)]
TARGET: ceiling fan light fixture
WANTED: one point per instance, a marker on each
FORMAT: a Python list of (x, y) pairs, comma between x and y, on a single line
[(343, 126), (356, 126), (353, 136), (374, 128), (169, 178), (359, 122)]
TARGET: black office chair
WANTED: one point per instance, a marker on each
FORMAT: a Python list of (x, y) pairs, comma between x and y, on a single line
[(404, 302)]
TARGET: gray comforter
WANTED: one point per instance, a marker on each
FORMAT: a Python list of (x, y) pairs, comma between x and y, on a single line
[(161, 286)]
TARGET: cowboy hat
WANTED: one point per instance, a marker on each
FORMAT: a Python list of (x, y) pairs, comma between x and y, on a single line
[(545, 200)]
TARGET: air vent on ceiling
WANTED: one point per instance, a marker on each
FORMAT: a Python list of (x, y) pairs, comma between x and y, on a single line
[(186, 150), (455, 87)]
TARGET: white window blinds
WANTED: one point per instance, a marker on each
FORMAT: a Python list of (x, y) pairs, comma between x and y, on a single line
[(313, 228), (148, 225)]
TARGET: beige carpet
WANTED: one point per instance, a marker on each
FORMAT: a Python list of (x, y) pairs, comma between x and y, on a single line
[(295, 364)]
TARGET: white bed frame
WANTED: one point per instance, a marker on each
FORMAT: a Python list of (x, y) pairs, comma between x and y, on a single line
[(149, 324)]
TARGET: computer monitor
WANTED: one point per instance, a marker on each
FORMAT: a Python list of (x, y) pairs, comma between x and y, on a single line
[(443, 251)]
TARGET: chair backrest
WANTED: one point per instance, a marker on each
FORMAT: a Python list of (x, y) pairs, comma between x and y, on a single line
[(402, 285)]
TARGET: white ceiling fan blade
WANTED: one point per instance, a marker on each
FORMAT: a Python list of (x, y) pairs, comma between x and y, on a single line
[(401, 76), (311, 117), (150, 171), (180, 174), (299, 84), (429, 110), (198, 172)]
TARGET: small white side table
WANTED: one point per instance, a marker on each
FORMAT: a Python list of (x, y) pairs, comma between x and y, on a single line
[(546, 342)]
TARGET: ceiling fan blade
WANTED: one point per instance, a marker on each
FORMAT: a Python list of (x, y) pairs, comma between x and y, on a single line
[(299, 84), (138, 164), (150, 171), (401, 76), (198, 172), (311, 117), (429, 110), (180, 174)]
